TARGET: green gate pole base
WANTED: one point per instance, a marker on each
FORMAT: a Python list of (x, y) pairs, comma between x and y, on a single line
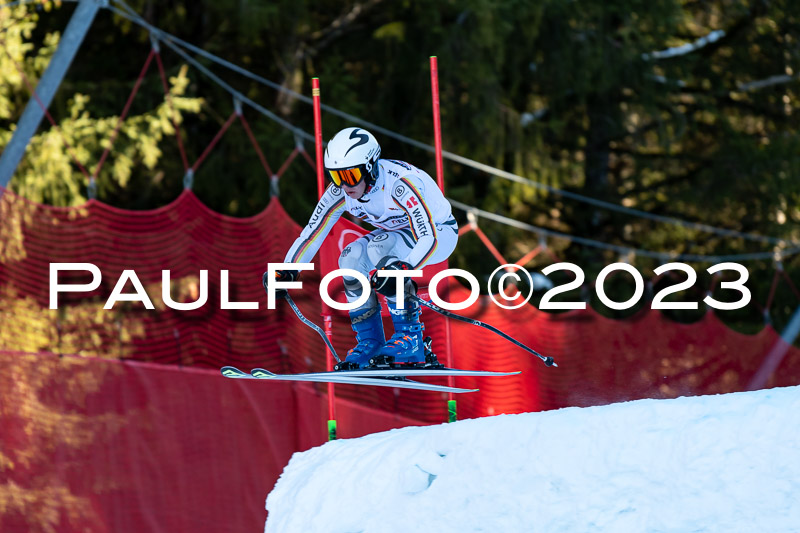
[(451, 411), (331, 430)]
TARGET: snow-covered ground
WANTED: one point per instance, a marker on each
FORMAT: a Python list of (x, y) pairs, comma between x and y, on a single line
[(727, 463)]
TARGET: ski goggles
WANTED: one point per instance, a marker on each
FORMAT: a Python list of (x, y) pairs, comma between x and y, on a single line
[(347, 176)]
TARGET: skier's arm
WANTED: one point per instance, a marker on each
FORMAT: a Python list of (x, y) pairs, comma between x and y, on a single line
[(406, 195), (326, 213)]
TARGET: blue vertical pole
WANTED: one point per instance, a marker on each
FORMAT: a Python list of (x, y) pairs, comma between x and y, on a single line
[(777, 353)]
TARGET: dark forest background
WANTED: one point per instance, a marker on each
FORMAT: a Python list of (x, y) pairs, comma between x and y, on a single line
[(572, 94)]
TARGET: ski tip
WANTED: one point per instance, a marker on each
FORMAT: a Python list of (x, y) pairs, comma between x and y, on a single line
[(232, 372), (261, 373), (458, 390)]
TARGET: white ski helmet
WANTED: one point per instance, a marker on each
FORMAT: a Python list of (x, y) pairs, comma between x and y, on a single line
[(351, 157)]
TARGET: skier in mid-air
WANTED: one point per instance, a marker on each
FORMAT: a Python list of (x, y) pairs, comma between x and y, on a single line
[(415, 228)]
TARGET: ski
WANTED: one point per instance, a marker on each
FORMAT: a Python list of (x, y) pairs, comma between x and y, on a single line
[(400, 372), (389, 372), (233, 372), (334, 377)]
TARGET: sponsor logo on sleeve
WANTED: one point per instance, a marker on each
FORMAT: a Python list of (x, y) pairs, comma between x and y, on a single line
[(317, 214), (420, 223)]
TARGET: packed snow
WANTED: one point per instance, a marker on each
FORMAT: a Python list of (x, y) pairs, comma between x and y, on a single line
[(727, 463)]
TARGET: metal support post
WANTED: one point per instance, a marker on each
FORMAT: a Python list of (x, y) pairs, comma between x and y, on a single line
[(71, 40)]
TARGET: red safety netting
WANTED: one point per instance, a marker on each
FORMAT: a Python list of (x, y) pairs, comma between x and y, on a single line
[(141, 429), (105, 446), (596, 355)]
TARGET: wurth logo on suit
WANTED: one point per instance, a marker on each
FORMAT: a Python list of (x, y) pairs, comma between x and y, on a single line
[(406, 196), (420, 222)]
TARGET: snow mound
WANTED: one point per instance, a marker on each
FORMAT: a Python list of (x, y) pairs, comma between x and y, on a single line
[(728, 463)]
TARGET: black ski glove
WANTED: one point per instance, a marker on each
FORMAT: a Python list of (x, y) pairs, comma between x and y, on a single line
[(280, 275), (386, 285)]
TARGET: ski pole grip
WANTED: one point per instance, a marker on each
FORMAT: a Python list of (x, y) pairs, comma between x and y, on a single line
[(282, 275), (265, 281)]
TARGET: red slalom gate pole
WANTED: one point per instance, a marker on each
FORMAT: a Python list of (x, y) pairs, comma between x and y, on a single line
[(437, 126), (437, 139), (326, 311)]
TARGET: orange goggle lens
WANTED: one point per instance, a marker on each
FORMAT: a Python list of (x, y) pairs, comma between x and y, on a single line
[(350, 177)]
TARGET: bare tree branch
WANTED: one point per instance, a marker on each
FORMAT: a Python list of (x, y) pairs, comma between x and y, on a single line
[(312, 44)]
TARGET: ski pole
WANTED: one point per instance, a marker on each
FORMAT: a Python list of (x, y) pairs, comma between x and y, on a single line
[(312, 325), (548, 361), (307, 322)]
